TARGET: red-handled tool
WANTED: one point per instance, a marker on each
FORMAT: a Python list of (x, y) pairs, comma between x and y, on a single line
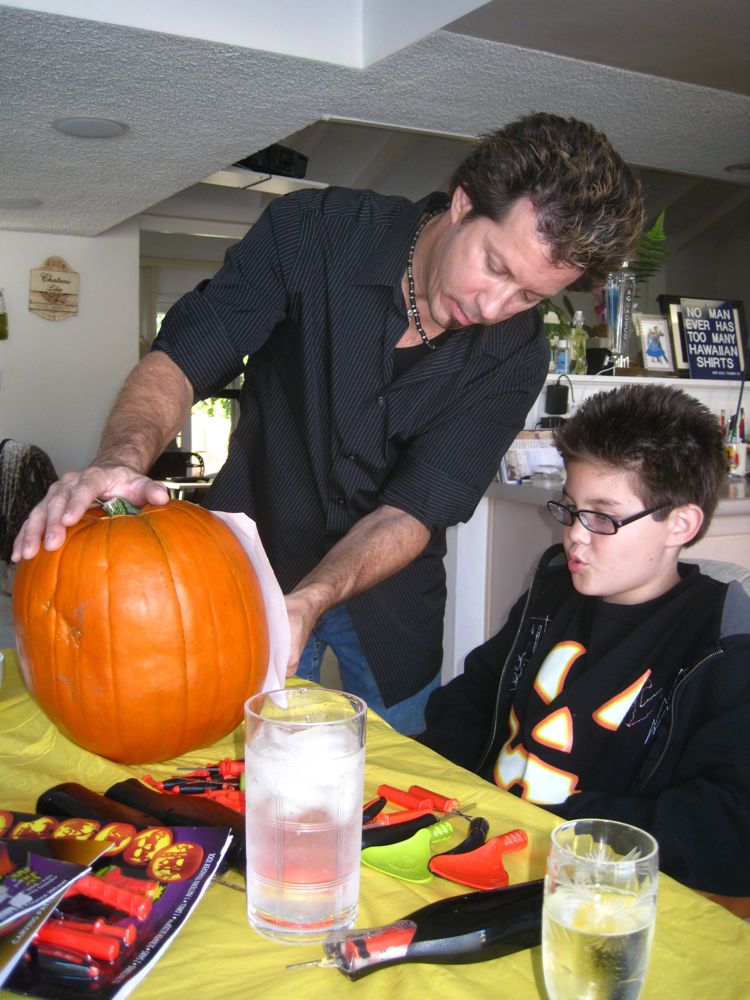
[(379, 835), (128, 902), (394, 818), (399, 797), (357, 952), (476, 864), (91, 925), (421, 798), (114, 876), (440, 802), (126, 933), (226, 768), (472, 927), (181, 786), (56, 934)]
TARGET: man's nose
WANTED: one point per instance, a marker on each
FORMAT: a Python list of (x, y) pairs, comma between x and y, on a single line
[(495, 302)]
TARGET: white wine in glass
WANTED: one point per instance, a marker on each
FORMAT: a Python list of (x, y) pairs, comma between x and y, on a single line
[(599, 910)]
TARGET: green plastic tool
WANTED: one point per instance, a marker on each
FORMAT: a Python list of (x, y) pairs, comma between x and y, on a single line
[(409, 859)]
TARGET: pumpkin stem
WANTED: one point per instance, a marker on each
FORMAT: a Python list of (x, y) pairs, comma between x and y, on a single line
[(119, 505)]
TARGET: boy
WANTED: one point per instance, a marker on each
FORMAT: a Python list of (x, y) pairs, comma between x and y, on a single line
[(620, 685)]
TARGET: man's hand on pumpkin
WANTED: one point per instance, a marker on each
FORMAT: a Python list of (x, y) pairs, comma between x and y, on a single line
[(70, 497)]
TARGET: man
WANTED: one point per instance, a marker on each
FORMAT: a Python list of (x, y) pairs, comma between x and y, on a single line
[(620, 685), (393, 351)]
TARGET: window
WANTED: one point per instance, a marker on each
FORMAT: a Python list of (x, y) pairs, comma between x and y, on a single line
[(211, 420)]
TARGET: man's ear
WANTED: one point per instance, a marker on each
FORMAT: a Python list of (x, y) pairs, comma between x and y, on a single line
[(685, 523), (461, 205)]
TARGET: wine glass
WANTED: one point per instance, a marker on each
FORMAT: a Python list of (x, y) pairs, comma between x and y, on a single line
[(599, 910)]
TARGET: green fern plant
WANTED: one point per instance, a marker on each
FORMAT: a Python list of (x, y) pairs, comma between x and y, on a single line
[(651, 252)]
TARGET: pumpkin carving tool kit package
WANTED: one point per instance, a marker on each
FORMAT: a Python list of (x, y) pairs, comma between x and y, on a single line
[(115, 915)]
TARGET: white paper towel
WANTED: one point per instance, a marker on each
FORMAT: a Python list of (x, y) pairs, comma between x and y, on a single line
[(278, 623)]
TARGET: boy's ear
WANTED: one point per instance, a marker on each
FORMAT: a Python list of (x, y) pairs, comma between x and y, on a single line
[(685, 523)]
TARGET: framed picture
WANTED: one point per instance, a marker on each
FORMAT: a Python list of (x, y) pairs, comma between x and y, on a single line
[(656, 342), (671, 306)]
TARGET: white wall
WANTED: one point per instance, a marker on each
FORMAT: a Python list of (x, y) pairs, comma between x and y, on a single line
[(59, 378), (711, 269)]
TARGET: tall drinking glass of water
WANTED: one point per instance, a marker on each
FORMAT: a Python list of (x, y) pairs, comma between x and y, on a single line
[(599, 910), (304, 780)]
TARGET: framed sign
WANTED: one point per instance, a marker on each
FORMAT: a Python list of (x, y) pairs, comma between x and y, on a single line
[(656, 343), (707, 336), (53, 290)]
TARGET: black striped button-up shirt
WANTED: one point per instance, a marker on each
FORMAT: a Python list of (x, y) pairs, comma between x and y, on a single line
[(312, 299)]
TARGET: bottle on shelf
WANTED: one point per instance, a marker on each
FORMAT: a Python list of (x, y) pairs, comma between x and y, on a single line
[(578, 364), (552, 329), (562, 357), (620, 295)]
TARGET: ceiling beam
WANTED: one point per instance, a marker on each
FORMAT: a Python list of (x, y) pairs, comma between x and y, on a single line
[(354, 33)]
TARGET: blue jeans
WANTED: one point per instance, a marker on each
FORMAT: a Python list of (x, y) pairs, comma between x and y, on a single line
[(335, 629)]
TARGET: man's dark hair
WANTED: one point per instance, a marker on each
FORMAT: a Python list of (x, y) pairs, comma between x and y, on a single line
[(668, 441), (587, 199)]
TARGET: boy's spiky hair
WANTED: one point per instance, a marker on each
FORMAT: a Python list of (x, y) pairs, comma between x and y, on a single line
[(669, 441)]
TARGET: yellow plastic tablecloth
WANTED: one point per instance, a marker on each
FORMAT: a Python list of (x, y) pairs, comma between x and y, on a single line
[(700, 949)]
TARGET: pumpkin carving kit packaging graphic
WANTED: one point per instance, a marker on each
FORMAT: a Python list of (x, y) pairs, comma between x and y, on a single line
[(142, 637), (101, 934)]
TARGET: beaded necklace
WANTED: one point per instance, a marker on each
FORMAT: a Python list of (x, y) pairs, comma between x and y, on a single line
[(412, 310)]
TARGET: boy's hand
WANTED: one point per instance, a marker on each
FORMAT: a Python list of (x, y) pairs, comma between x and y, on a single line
[(70, 497)]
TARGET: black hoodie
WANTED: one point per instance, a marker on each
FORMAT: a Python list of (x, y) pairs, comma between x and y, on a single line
[(678, 765)]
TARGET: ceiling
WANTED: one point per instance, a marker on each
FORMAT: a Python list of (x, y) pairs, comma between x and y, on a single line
[(392, 108)]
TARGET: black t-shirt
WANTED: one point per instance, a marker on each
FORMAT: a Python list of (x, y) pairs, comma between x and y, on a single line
[(405, 357), (588, 703)]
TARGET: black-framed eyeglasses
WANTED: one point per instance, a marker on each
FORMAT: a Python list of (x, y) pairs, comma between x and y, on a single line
[(592, 520)]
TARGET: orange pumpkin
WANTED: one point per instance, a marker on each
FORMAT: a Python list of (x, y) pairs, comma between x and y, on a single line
[(144, 634)]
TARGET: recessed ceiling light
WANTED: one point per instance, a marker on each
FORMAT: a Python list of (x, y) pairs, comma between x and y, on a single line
[(90, 128), (19, 202)]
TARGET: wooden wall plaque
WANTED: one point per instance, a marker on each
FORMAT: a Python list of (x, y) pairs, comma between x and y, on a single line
[(53, 290)]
